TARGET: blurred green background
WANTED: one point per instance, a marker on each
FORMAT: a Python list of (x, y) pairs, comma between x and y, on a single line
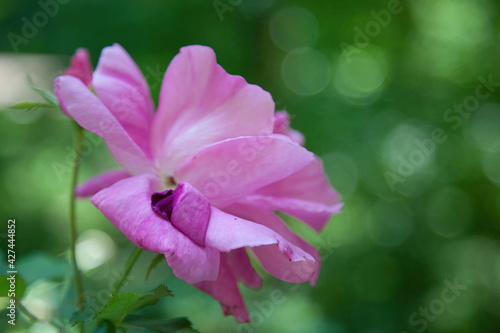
[(367, 82)]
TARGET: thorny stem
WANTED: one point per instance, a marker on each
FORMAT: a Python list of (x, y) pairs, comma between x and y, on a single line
[(72, 209), (130, 263)]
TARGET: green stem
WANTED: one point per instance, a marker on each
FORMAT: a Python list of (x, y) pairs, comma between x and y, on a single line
[(26, 312), (130, 263), (72, 209)]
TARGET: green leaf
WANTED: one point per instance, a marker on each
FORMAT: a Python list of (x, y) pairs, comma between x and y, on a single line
[(29, 106), (153, 264), (105, 327), (120, 306), (180, 324), (46, 95), (162, 291), (5, 289)]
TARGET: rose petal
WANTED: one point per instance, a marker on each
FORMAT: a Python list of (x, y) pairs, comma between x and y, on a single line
[(270, 258), (123, 89), (306, 194), (233, 168), (227, 232), (88, 111), (201, 104), (226, 291), (282, 126), (242, 268), (186, 208), (80, 66), (99, 182), (127, 204)]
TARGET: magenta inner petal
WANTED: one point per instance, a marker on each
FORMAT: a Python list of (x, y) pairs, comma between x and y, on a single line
[(163, 203), (186, 208)]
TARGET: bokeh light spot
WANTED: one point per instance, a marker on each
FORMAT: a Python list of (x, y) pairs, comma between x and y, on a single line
[(449, 36), (402, 152), (360, 79), (306, 71), (94, 248), (485, 127)]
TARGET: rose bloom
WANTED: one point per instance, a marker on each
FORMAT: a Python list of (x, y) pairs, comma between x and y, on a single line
[(202, 176)]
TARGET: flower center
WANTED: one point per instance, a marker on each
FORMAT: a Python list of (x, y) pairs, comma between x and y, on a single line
[(170, 182), (186, 208)]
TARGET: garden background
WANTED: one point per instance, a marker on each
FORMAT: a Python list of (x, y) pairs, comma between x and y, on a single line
[(400, 99)]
